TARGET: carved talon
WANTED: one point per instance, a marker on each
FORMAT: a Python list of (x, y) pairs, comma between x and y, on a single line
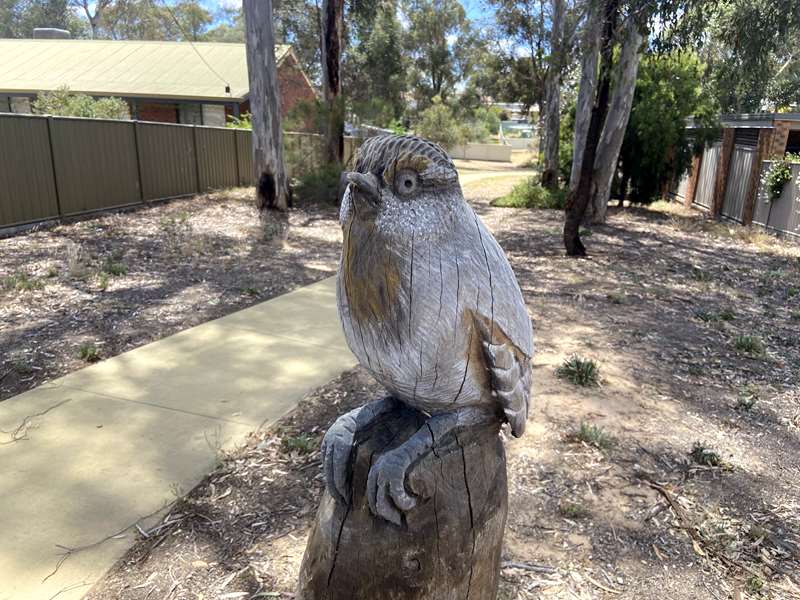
[(337, 446), (386, 489)]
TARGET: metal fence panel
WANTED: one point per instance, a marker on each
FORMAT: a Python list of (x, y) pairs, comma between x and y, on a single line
[(216, 158), (95, 164), (738, 182), (27, 189), (704, 196), (166, 160), (244, 153), (782, 214), (59, 166)]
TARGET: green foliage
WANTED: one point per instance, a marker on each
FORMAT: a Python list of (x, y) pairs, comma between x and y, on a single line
[(566, 142), (114, 268), (243, 121), (705, 456), (656, 147), (749, 46), (148, 20), (573, 510), (531, 194), (579, 370), (748, 395), (18, 18), (307, 115), (318, 186), (302, 443), (88, 352), (63, 103), (439, 44), (21, 282), (593, 435), (750, 344), (438, 124), (778, 175), (724, 314), (375, 66)]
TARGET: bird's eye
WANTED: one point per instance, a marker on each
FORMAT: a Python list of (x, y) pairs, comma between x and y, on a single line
[(406, 182)]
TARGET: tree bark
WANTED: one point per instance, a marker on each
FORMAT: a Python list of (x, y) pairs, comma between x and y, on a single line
[(552, 102), (616, 122), (272, 187), (588, 86), (331, 54), (578, 200), (450, 544)]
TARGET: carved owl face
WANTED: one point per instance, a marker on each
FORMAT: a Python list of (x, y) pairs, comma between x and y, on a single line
[(402, 184)]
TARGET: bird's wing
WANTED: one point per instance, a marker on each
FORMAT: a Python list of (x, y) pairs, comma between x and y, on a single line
[(506, 333), (510, 374)]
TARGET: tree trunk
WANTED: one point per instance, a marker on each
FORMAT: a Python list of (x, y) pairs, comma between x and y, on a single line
[(616, 122), (552, 102), (331, 55), (272, 188), (449, 545), (578, 200), (588, 85)]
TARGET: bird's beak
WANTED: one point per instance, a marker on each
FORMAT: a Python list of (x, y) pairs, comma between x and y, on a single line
[(366, 186)]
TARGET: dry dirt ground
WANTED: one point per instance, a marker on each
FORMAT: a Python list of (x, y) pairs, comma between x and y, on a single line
[(693, 326), (92, 289)]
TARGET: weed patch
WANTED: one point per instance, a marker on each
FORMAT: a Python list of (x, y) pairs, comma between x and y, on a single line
[(580, 371)]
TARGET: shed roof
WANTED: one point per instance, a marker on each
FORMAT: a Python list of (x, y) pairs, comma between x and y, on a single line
[(139, 69)]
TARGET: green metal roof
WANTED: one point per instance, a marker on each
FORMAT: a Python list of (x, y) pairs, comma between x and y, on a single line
[(180, 70)]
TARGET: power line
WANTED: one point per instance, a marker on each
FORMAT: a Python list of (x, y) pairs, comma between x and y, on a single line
[(191, 43)]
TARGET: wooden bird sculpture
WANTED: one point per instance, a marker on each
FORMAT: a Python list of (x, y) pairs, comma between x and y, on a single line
[(430, 306)]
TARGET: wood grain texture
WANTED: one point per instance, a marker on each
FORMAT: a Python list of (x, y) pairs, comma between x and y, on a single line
[(450, 545)]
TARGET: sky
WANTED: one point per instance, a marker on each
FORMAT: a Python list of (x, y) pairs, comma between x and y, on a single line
[(476, 9)]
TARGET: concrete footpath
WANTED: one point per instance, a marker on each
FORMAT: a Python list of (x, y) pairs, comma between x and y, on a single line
[(115, 442)]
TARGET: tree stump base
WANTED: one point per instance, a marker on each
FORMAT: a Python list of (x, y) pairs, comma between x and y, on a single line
[(449, 544)]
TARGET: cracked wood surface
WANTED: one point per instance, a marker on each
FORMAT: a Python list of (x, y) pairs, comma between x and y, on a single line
[(449, 545)]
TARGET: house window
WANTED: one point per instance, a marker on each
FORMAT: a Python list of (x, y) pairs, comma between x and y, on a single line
[(21, 105), (191, 114), (214, 115), (793, 142)]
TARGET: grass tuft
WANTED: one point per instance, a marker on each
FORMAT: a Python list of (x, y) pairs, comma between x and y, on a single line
[(705, 456), (579, 370), (21, 282), (302, 443), (592, 435), (89, 353), (573, 510), (750, 344)]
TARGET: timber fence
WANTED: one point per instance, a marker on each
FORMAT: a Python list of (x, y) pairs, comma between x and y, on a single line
[(53, 167)]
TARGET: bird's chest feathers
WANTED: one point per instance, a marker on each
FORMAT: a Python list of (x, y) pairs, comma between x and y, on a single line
[(372, 276)]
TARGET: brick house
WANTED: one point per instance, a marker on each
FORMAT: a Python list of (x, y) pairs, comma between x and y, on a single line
[(173, 82)]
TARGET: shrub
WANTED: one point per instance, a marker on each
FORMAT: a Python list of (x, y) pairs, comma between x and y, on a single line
[(244, 121), (320, 185), (438, 124), (530, 194), (778, 175), (580, 371), (63, 103)]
